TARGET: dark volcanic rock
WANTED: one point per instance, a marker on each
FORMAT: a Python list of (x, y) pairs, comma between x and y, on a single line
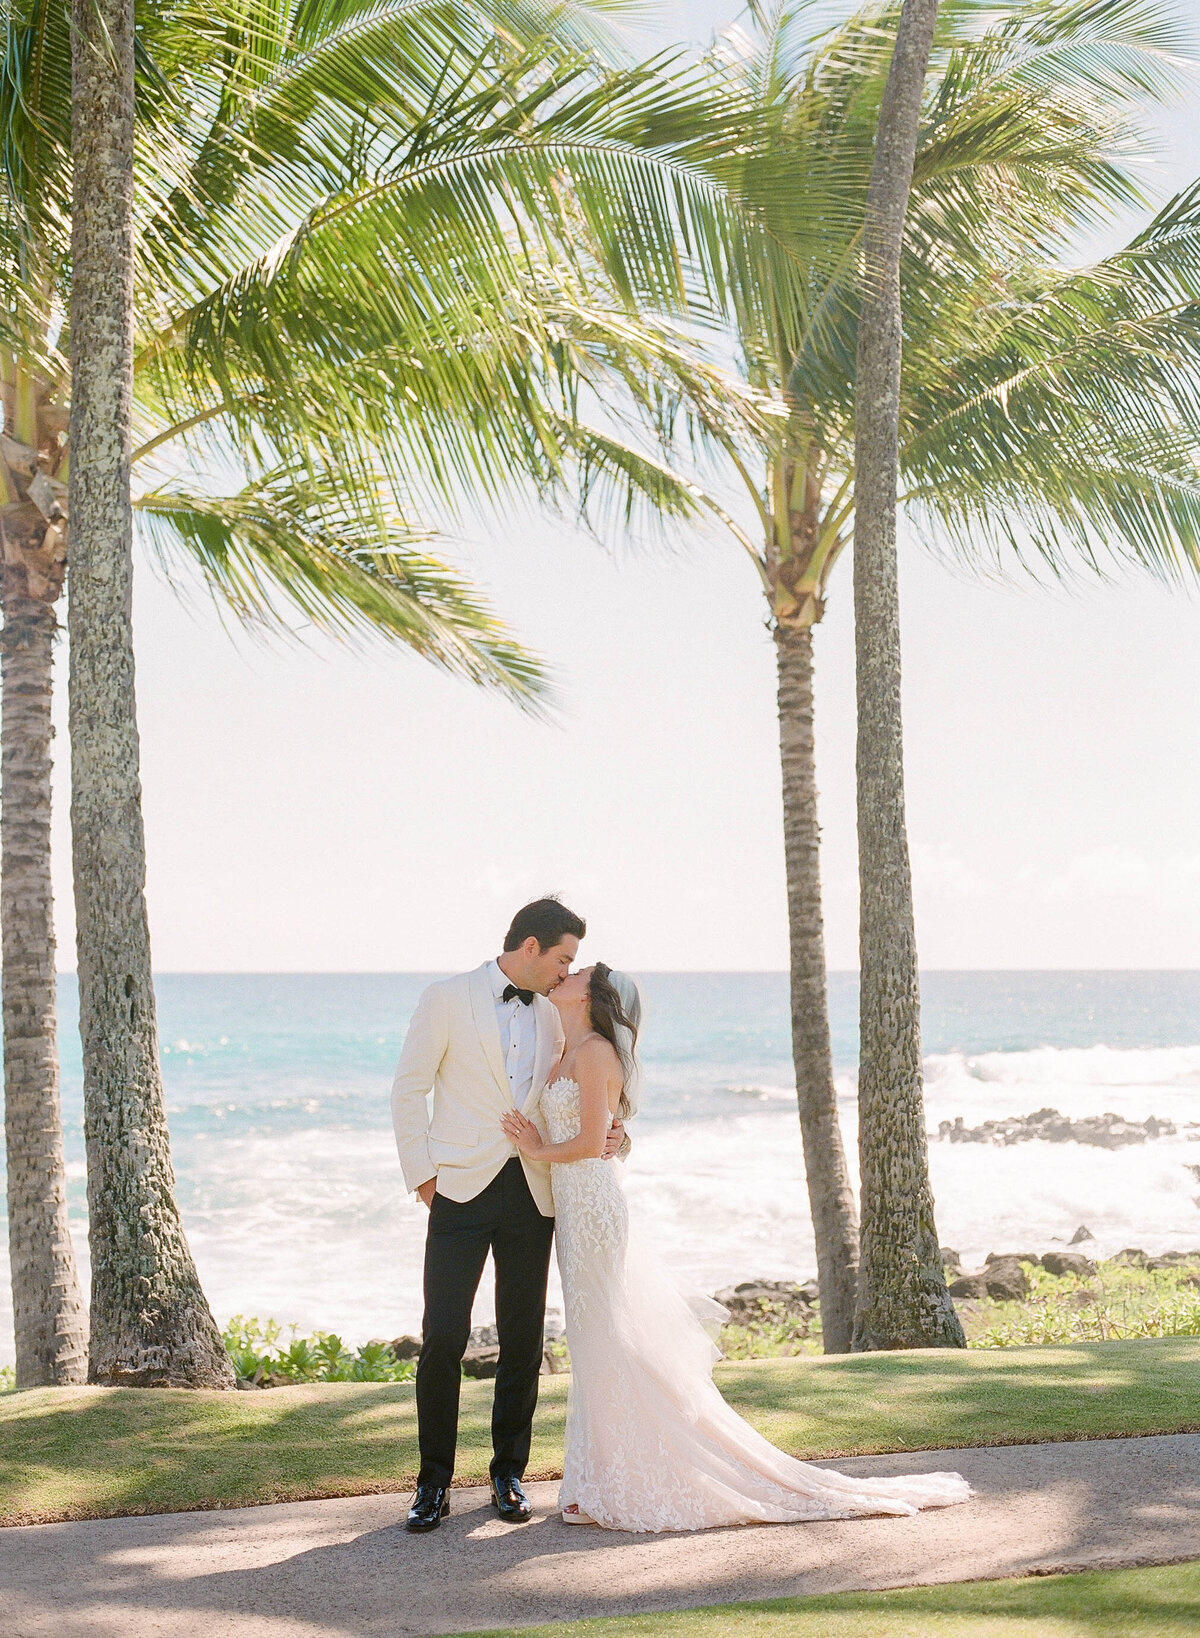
[(483, 1349), (1069, 1262), (481, 1362), (950, 1259), (1106, 1131), (968, 1285), (1080, 1235), (754, 1298), (1006, 1280), (1002, 1278)]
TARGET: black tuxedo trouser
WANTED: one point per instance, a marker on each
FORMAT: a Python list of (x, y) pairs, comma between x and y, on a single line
[(504, 1220)]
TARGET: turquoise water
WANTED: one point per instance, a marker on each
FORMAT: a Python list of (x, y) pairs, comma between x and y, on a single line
[(277, 1093)]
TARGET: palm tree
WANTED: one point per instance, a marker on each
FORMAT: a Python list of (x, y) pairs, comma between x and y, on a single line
[(150, 1320), (1029, 120), (49, 1317), (378, 257), (50, 1321), (902, 1295)]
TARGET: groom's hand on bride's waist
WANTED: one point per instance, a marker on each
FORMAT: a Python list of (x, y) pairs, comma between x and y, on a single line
[(615, 1139)]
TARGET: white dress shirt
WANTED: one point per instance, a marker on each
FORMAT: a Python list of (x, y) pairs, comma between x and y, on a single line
[(518, 1036)]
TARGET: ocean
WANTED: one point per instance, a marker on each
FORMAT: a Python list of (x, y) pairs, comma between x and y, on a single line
[(277, 1093)]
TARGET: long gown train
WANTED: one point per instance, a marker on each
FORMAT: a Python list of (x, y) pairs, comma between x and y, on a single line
[(650, 1443)]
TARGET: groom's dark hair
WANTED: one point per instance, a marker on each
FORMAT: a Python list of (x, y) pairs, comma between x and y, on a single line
[(547, 920)]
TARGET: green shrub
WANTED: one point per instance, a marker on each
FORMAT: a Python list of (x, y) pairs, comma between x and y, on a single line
[(8, 1379), (1121, 1302), (558, 1355), (772, 1333), (259, 1357)]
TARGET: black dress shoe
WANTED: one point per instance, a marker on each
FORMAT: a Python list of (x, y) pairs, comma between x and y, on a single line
[(509, 1500), (429, 1507)]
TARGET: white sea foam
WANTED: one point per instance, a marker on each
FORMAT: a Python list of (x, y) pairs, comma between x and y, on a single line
[(314, 1228), (1083, 1066), (765, 1094), (1134, 1083)]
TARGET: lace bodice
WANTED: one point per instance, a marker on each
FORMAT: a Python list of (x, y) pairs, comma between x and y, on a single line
[(560, 1103), (650, 1443), (589, 1208)]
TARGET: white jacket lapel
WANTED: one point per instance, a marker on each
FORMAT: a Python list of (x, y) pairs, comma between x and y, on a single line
[(483, 1007)]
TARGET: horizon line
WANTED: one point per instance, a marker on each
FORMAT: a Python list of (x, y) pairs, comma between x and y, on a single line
[(671, 972)]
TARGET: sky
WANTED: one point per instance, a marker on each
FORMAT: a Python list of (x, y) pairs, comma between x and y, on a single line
[(319, 808)]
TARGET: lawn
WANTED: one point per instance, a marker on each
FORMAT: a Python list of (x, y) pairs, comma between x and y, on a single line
[(92, 1452), (1109, 1604)]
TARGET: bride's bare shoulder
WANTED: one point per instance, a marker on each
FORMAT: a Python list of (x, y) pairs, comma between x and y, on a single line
[(597, 1055)]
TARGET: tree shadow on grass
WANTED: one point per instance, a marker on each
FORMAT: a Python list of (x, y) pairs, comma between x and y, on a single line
[(1153, 1601), (71, 1453), (1160, 1603), (938, 1399), (88, 1453)]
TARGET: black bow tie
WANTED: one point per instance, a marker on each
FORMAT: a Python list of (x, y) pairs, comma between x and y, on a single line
[(525, 997)]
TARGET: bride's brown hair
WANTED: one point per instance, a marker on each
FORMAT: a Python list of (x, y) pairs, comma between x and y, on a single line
[(608, 1018)]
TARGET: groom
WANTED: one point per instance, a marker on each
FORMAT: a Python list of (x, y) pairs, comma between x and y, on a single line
[(485, 1042)]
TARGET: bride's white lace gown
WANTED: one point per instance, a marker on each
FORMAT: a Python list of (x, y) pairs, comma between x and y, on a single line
[(650, 1443)]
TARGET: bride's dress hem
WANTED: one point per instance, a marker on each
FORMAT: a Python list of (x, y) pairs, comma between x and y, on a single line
[(651, 1446)]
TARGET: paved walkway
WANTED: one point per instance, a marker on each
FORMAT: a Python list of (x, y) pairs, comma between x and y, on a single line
[(348, 1569)]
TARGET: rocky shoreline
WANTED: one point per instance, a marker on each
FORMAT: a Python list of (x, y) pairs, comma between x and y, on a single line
[(1107, 1131), (483, 1348), (768, 1317), (750, 1304), (753, 1304), (748, 1300), (1003, 1275)]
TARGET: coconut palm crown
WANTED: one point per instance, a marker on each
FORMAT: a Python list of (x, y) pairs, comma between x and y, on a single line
[(382, 250), (1049, 413)]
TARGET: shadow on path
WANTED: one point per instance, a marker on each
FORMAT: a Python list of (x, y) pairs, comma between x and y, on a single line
[(348, 1567)]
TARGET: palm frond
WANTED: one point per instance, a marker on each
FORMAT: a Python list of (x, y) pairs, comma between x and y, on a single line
[(310, 546), (1070, 410), (621, 486)]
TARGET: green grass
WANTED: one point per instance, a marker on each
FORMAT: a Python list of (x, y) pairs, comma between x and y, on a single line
[(90, 1452), (1161, 1603)]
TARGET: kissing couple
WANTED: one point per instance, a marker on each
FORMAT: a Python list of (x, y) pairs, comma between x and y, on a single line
[(534, 1072)]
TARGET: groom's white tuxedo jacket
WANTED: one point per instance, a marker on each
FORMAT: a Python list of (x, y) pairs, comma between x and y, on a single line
[(453, 1047)]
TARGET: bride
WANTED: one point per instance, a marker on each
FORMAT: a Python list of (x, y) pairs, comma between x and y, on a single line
[(650, 1443)]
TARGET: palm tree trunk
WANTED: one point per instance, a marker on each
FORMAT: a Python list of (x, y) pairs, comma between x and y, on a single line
[(902, 1296), (49, 1318), (151, 1324), (830, 1195)]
